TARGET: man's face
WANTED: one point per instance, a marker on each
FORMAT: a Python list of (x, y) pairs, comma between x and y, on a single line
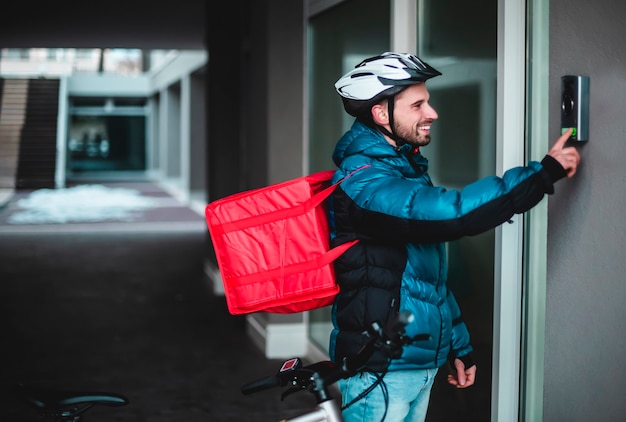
[(413, 115)]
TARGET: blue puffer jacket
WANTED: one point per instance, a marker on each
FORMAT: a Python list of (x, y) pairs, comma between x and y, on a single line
[(403, 222)]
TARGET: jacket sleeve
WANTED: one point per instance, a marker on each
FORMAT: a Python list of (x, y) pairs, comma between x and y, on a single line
[(389, 206), (460, 340)]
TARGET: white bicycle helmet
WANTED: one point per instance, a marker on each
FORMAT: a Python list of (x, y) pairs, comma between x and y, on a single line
[(377, 74), (378, 78)]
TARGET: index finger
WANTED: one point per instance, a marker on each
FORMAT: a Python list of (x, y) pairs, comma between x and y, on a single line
[(562, 139)]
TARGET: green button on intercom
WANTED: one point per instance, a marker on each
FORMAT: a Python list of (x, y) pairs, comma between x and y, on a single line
[(563, 130)]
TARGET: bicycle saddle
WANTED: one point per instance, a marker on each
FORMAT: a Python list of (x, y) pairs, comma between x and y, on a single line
[(53, 401)]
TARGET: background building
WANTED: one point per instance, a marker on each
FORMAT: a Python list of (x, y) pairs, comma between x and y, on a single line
[(244, 98)]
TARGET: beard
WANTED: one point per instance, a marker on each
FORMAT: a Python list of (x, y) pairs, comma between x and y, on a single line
[(411, 135)]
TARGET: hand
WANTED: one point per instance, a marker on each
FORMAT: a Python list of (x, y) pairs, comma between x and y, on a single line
[(568, 157), (463, 377)]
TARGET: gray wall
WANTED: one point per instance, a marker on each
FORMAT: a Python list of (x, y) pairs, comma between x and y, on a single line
[(585, 359), (255, 99)]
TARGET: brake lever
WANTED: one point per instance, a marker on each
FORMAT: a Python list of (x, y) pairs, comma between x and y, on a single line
[(394, 349), (311, 377), (291, 390)]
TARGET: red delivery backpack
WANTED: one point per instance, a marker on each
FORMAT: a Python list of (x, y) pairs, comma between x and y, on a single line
[(272, 246)]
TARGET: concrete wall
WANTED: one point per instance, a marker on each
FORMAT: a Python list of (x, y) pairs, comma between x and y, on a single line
[(274, 108), (255, 122), (197, 148), (585, 344)]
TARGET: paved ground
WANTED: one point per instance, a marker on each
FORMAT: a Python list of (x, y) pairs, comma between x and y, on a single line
[(124, 307)]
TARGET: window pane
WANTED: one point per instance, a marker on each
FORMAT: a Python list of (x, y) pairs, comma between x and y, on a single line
[(453, 28), (459, 39), (338, 40), (106, 143)]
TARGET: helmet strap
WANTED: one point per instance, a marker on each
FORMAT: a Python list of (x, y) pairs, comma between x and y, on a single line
[(390, 106)]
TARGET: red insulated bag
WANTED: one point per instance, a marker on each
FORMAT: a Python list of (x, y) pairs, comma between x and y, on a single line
[(272, 246)]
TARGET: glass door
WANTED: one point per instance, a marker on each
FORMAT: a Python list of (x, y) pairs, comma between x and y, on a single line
[(459, 39), (106, 136)]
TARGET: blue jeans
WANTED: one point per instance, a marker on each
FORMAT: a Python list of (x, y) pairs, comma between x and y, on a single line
[(408, 396)]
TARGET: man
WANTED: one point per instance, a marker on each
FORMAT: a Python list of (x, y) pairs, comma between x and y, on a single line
[(403, 222)]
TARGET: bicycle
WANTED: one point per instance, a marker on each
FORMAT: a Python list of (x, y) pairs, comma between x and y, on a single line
[(318, 377), (65, 406), (70, 406)]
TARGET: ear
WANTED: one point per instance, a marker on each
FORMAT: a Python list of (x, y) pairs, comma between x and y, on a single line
[(379, 114)]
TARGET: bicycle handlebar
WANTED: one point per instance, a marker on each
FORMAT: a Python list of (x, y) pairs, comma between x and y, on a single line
[(318, 376), (391, 337), (261, 384)]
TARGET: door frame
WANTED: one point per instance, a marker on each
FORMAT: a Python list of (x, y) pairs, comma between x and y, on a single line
[(510, 152)]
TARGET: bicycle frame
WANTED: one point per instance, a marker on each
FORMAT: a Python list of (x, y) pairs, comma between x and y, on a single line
[(317, 377), (328, 411)]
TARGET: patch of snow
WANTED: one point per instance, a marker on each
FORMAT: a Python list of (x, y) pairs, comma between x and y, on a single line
[(83, 203)]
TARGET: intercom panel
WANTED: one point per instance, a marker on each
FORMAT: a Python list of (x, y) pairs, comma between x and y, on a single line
[(575, 106)]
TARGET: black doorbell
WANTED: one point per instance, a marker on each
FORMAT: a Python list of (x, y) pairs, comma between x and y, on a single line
[(575, 106)]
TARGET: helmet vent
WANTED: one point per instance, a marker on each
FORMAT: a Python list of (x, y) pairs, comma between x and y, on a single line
[(361, 74)]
